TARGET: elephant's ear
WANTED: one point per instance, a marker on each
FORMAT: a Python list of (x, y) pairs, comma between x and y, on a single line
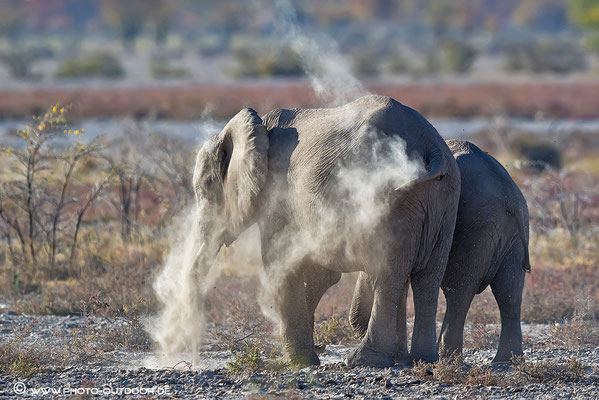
[(244, 165)]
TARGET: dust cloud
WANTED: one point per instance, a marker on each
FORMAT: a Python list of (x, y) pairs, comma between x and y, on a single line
[(363, 188), (179, 328), (327, 68)]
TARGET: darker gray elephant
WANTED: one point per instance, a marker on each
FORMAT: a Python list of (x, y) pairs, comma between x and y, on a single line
[(296, 174), (490, 247)]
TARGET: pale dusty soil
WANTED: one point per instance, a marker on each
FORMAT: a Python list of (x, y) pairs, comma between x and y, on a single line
[(120, 369)]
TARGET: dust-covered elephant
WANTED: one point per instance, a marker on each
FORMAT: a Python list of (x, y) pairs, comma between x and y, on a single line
[(368, 186), (490, 247)]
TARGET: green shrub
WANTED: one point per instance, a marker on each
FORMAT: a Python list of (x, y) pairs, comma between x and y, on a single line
[(18, 361), (19, 60), (457, 56), (335, 330), (540, 153), (396, 64), (161, 68), (254, 63), (248, 359), (100, 65), (544, 56), (365, 63), (255, 356)]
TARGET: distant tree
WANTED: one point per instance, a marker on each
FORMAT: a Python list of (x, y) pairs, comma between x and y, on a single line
[(11, 20), (130, 18), (125, 18), (159, 18), (19, 61), (585, 13), (458, 56), (542, 15)]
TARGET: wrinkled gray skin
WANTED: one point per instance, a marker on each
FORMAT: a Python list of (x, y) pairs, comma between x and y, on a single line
[(281, 173), (490, 246)]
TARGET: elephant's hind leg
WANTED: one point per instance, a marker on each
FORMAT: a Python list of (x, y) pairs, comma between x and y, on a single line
[(425, 288), (507, 289), (361, 305), (361, 308), (451, 339), (379, 344)]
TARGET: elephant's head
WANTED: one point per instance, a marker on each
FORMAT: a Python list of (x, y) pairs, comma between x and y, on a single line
[(229, 175)]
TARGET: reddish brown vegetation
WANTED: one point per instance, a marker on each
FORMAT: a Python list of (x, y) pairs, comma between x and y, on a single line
[(557, 99)]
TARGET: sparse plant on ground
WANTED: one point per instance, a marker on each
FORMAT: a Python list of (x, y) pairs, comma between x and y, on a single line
[(548, 370), (447, 370), (334, 330), (580, 330), (484, 376), (247, 360), (19, 360), (482, 336)]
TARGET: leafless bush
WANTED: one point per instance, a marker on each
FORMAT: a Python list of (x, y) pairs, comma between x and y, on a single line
[(581, 329), (562, 199), (149, 167), (41, 207), (482, 336)]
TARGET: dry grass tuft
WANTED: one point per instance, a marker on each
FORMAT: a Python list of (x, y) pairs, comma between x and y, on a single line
[(548, 371), (334, 330)]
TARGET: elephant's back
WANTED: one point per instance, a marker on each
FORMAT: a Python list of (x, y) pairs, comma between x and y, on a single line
[(329, 139), (486, 183)]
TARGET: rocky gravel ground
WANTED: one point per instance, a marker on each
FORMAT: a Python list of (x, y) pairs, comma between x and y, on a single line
[(82, 367)]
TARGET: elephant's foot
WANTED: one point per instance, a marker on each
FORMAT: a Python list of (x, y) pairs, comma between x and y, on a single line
[(507, 358), (320, 348), (303, 358), (429, 358), (403, 359), (368, 357)]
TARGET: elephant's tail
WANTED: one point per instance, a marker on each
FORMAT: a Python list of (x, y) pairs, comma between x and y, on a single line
[(437, 169), (521, 220)]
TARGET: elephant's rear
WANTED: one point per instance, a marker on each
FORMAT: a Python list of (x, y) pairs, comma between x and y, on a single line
[(492, 220), (490, 246), (373, 144)]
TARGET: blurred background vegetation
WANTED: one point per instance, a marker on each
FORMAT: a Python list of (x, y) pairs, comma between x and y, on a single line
[(148, 40)]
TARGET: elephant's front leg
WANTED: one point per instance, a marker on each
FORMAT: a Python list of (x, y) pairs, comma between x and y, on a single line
[(380, 343), (296, 324)]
